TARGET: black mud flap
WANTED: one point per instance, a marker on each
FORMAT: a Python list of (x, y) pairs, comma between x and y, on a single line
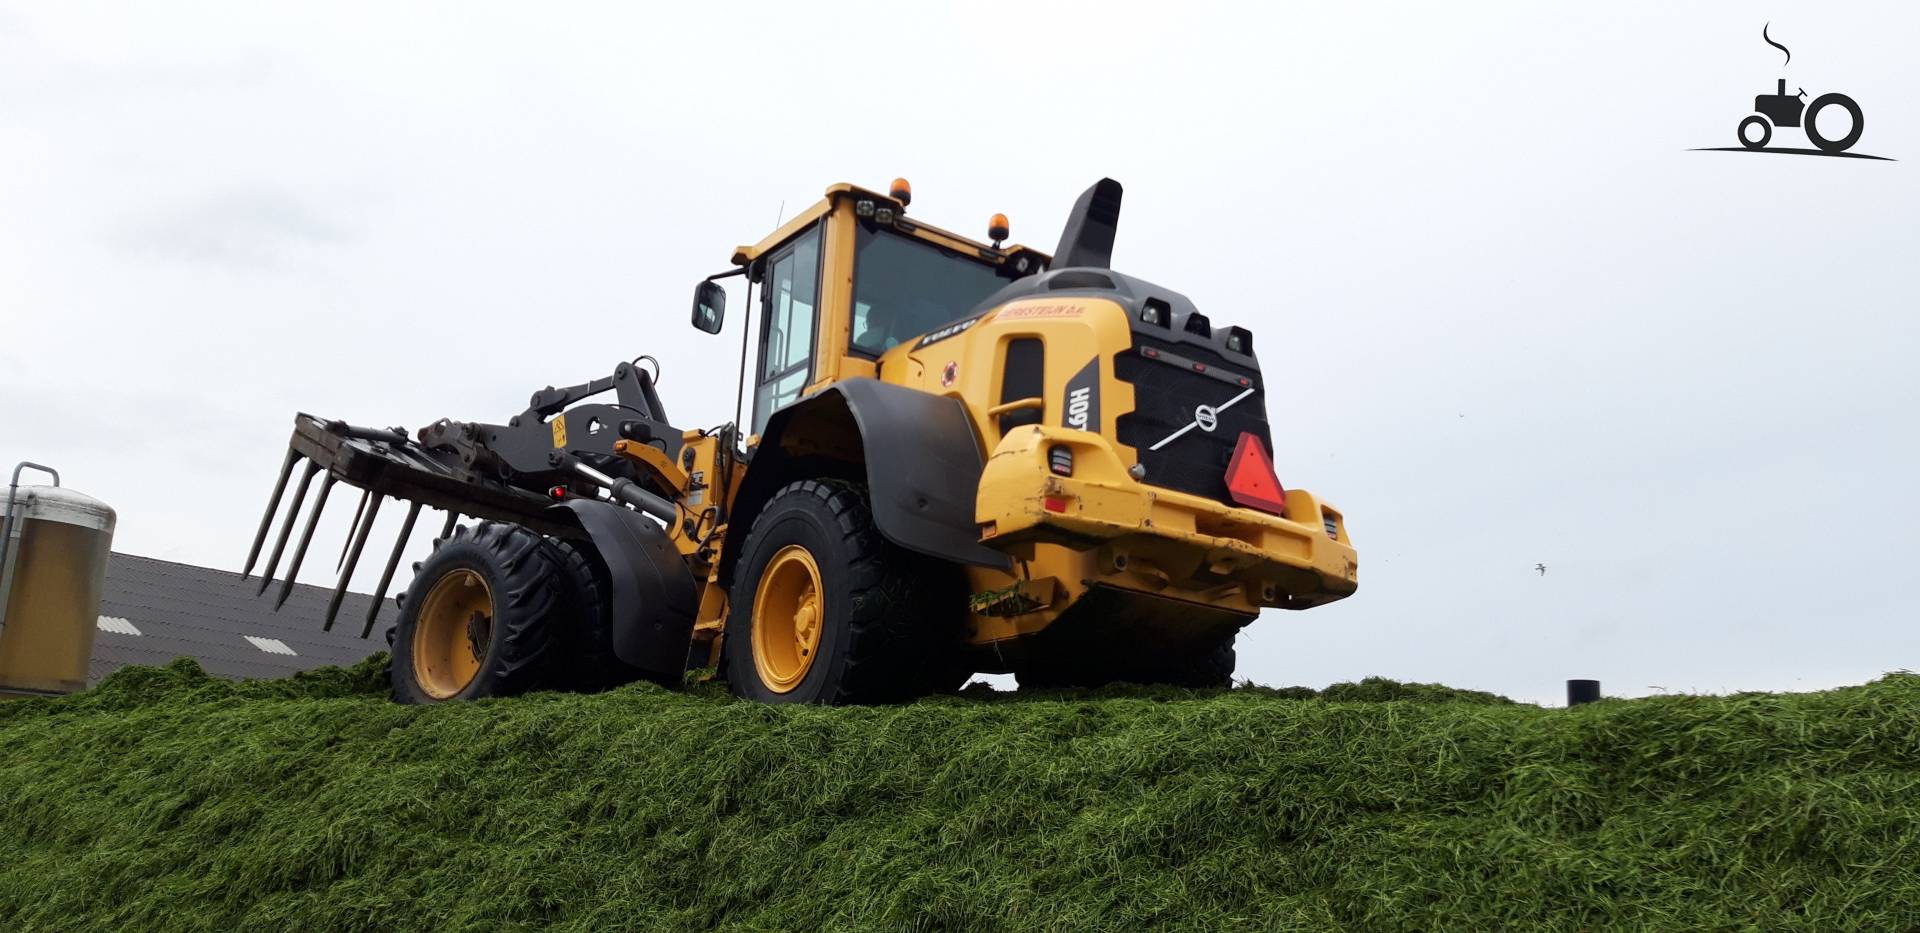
[(923, 466), (655, 598), (923, 469)]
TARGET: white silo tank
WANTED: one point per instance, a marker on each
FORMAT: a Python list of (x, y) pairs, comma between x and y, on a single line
[(56, 545)]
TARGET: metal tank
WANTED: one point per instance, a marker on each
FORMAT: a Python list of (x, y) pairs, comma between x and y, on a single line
[(54, 546)]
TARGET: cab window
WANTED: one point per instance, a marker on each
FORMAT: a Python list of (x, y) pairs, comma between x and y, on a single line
[(789, 302), (904, 287)]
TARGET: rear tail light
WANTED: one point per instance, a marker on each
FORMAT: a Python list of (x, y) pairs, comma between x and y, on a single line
[(1060, 460)]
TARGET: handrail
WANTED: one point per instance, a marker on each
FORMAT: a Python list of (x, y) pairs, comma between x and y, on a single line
[(6, 528), (1016, 405)]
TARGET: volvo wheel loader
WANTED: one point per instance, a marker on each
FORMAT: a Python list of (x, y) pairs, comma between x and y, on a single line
[(960, 457)]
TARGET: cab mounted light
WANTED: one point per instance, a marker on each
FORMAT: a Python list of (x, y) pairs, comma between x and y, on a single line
[(901, 191), (1239, 340), (1154, 312), (997, 229), (863, 208)]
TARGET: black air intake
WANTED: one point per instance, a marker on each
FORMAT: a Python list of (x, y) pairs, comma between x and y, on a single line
[(1088, 238)]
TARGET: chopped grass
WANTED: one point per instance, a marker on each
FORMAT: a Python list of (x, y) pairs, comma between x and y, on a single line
[(166, 799)]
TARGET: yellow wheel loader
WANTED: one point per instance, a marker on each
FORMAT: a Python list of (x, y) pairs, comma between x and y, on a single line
[(960, 457)]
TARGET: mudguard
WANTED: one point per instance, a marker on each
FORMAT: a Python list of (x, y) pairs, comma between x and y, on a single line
[(654, 596), (923, 466)]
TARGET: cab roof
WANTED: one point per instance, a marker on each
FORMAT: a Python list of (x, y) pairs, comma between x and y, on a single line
[(744, 255)]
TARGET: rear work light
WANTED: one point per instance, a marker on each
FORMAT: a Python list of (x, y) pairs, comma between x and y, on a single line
[(1060, 460), (1250, 478)]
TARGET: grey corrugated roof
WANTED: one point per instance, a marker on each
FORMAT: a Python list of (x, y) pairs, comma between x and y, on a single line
[(208, 615)]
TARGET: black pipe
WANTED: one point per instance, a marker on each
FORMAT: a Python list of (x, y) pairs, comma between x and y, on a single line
[(389, 435), (1582, 691)]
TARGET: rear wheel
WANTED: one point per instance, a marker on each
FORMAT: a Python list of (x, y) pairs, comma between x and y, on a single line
[(478, 619), (1207, 668), (1843, 142), (826, 610)]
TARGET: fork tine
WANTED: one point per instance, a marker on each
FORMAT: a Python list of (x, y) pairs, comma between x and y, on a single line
[(286, 528), (352, 558), (306, 538), (386, 576), (273, 504)]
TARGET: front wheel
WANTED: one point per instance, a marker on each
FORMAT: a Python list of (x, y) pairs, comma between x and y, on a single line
[(1812, 122), (479, 618), (1765, 132), (823, 609)]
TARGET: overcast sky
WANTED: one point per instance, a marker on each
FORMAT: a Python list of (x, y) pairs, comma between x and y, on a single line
[(1506, 316)]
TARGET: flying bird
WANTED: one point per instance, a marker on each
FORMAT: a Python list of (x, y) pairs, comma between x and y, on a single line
[(1542, 568)]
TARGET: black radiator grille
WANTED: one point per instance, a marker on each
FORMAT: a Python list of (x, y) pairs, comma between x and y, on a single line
[(1166, 395)]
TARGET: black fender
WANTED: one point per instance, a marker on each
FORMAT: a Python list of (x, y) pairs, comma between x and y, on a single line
[(655, 597), (922, 466)]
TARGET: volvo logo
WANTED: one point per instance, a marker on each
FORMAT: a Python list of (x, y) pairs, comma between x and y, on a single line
[(1205, 417)]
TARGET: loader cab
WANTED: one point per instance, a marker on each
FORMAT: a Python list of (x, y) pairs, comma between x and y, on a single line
[(852, 277)]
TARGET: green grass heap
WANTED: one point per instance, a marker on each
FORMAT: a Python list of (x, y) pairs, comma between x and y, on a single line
[(166, 799)]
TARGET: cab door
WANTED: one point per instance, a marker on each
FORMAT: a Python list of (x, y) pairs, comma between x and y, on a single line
[(789, 318)]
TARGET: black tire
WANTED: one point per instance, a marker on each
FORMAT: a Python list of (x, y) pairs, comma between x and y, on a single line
[(1766, 132), (1811, 123), (1208, 668), (889, 622), (587, 662), (525, 588)]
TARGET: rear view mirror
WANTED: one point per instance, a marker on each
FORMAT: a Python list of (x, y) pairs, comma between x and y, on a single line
[(709, 307)]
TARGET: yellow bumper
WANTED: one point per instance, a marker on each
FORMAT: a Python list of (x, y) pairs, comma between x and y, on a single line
[(1181, 540)]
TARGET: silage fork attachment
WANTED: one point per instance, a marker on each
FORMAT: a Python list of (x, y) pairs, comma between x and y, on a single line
[(485, 471)]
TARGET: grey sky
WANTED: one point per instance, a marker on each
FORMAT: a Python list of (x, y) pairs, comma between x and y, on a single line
[(1507, 317)]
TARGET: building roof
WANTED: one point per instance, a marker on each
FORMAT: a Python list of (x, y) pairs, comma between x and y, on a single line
[(152, 611)]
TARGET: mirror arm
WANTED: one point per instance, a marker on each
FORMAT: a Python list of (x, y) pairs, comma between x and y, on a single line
[(730, 273)]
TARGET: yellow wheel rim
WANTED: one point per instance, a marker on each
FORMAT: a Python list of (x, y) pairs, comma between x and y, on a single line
[(451, 633), (788, 611)]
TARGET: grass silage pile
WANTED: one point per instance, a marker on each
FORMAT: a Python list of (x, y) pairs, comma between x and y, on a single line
[(168, 800)]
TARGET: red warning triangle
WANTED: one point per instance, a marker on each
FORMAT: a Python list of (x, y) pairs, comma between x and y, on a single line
[(1250, 478)]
